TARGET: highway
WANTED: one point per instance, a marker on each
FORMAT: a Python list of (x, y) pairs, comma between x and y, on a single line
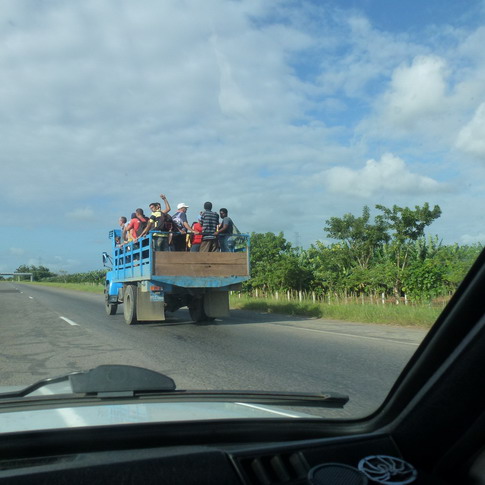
[(47, 332)]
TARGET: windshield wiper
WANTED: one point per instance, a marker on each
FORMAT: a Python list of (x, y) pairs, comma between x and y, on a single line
[(125, 381), (300, 399)]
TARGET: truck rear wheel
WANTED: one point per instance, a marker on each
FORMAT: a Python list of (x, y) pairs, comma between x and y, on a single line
[(196, 310), (129, 302), (109, 307)]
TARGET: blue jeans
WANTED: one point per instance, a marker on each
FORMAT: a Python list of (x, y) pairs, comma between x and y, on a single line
[(226, 243), (161, 243)]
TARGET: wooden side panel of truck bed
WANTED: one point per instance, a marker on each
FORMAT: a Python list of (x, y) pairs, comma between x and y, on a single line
[(177, 263)]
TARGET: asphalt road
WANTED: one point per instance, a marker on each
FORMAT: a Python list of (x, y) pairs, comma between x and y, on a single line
[(48, 332)]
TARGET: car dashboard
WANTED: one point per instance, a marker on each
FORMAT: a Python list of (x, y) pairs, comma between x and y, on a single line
[(205, 453)]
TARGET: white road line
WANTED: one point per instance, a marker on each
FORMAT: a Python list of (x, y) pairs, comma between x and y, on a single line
[(70, 322), (31, 297), (360, 336), (267, 410)]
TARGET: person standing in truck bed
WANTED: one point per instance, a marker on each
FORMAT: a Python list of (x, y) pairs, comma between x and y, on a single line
[(136, 225), (156, 222), (225, 231), (122, 223), (210, 221), (182, 227), (197, 235)]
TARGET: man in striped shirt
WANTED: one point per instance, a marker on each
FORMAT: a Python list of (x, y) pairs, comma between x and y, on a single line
[(209, 221)]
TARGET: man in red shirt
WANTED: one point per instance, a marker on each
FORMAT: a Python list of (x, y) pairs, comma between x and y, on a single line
[(131, 228), (136, 226), (197, 239)]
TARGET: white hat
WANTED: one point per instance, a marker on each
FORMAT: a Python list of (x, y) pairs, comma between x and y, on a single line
[(182, 205)]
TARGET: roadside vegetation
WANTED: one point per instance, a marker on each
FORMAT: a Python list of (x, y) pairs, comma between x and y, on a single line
[(87, 287), (413, 315), (382, 270)]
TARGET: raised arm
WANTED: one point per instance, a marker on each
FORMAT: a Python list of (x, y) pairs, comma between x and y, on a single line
[(167, 205)]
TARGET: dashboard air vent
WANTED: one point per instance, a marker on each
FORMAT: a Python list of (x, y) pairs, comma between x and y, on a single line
[(283, 468)]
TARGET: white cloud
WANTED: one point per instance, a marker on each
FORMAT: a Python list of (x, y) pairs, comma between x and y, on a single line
[(356, 54), (389, 175), (471, 138), (473, 239), (428, 102), (417, 91), (231, 99), (92, 89), (471, 46), (17, 251)]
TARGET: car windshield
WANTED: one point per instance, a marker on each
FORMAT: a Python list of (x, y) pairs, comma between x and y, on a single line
[(244, 195)]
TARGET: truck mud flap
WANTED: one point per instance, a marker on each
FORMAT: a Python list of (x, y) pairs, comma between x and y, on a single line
[(148, 310), (216, 304)]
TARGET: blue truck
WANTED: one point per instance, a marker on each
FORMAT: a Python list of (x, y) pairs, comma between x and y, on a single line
[(150, 283)]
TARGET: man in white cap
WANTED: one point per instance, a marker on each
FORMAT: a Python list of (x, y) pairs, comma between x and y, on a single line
[(182, 227)]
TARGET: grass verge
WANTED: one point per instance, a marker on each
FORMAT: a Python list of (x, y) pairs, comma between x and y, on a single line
[(406, 315), (88, 287)]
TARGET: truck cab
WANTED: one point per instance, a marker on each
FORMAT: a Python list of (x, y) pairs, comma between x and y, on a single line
[(150, 283)]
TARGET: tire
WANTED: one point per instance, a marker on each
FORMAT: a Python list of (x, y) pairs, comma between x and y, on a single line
[(196, 310), (129, 303), (110, 308)]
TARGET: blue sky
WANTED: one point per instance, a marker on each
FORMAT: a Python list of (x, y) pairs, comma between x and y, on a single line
[(285, 112)]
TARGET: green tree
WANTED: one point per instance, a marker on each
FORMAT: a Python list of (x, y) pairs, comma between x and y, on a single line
[(424, 280), (275, 264), (456, 262), (291, 273), (387, 255), (330, 267), (361, 237), (406, 226), (266, 253), (39, 272)]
